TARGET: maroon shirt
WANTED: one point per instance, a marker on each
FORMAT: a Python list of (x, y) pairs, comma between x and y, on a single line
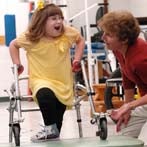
[(134, 66)]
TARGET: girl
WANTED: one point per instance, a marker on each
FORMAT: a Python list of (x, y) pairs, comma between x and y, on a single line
[(47, 42)]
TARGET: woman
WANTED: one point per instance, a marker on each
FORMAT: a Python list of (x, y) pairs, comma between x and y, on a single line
[(121, 35)]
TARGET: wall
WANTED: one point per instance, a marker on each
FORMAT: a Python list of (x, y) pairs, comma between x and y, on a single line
[(138, 8), (119, 4), (6, 77), (20, 10), (80, 20)]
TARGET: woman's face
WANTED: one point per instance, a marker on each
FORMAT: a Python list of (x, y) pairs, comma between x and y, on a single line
[(112, 41), (54, 26)]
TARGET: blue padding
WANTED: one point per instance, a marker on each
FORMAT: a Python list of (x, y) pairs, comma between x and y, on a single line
[(10, 28), (97, 47)]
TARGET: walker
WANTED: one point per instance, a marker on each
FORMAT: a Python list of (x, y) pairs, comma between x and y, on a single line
[(15, 107), (97, 118)]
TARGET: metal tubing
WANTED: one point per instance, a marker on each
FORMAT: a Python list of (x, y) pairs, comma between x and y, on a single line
[(79, 120), (18, 97), (89, 89)]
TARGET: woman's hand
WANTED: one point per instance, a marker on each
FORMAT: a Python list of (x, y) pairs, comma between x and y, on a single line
[(121, 116), (116, 114), (122, 121)]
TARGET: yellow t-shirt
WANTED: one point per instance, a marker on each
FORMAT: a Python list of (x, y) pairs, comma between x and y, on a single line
[(49, 64)]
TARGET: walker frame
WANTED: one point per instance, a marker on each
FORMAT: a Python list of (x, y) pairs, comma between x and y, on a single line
[(15, 106)]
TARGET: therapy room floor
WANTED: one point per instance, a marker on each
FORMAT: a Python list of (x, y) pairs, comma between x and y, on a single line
[(32, 121)]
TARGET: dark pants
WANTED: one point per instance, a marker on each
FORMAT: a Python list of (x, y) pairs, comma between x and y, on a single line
[(52, 110)]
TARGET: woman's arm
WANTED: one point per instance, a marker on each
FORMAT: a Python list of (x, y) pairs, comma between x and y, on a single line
[(139, 102), (116, 114), (129, 95)]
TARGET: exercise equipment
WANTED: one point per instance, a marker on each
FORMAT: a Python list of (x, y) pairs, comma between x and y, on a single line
[(113, 89), (97, 48), (99, 62)]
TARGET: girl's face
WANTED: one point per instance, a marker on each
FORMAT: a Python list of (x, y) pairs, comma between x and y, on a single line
[(112, 41), (54, 26)]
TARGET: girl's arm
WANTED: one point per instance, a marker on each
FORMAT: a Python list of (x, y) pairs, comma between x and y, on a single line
[(79, 48), (14, 52)]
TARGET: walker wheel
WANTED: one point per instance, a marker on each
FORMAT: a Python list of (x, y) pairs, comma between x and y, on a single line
[(16, 132), (103, 129)]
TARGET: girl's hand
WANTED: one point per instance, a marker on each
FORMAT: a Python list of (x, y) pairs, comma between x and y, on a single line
[(76, 66), (20, 69)]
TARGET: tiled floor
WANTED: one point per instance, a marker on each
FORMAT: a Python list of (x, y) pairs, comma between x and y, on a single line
[(32, 121)]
